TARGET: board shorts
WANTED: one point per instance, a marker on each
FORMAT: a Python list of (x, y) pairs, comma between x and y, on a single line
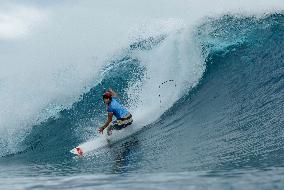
[(120, 123)]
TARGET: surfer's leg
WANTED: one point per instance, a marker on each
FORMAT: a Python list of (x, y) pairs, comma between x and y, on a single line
[(120, 124), (111, 127), (125, 122)]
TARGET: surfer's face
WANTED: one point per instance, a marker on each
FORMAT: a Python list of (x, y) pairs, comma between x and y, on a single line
[(106, 100)]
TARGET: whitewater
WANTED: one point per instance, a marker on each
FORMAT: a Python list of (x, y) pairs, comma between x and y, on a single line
[(203, 80)]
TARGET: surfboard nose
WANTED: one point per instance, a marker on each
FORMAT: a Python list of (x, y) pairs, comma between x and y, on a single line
[(79, 151)]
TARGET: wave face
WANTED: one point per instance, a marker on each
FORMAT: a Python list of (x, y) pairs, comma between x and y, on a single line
[(234, 118), (223, 109)]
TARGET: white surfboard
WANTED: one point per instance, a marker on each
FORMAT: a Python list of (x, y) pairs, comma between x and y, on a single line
[(103, 140), (89, 146)]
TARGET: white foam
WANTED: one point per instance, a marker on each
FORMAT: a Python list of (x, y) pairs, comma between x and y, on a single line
[(177, 59), (18, 21)]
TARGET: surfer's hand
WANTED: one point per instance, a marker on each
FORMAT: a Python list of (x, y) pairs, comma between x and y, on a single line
[(101, 130)]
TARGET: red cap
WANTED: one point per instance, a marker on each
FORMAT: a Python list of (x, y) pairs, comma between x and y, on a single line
[(107, 95)]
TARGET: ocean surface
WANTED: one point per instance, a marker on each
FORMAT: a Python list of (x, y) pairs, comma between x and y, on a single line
[(207, 100)]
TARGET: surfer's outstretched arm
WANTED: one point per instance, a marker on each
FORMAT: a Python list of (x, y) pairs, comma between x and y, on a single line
[(109, 119)]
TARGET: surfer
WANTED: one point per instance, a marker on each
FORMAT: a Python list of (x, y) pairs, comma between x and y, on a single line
[(114, 108)]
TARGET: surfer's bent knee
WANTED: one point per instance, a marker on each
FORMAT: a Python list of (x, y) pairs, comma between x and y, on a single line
[(122, 123)]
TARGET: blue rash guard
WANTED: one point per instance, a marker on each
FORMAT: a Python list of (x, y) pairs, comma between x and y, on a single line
[(117, 109)]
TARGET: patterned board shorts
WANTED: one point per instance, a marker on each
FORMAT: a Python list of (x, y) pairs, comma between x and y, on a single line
[(120, 123)]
